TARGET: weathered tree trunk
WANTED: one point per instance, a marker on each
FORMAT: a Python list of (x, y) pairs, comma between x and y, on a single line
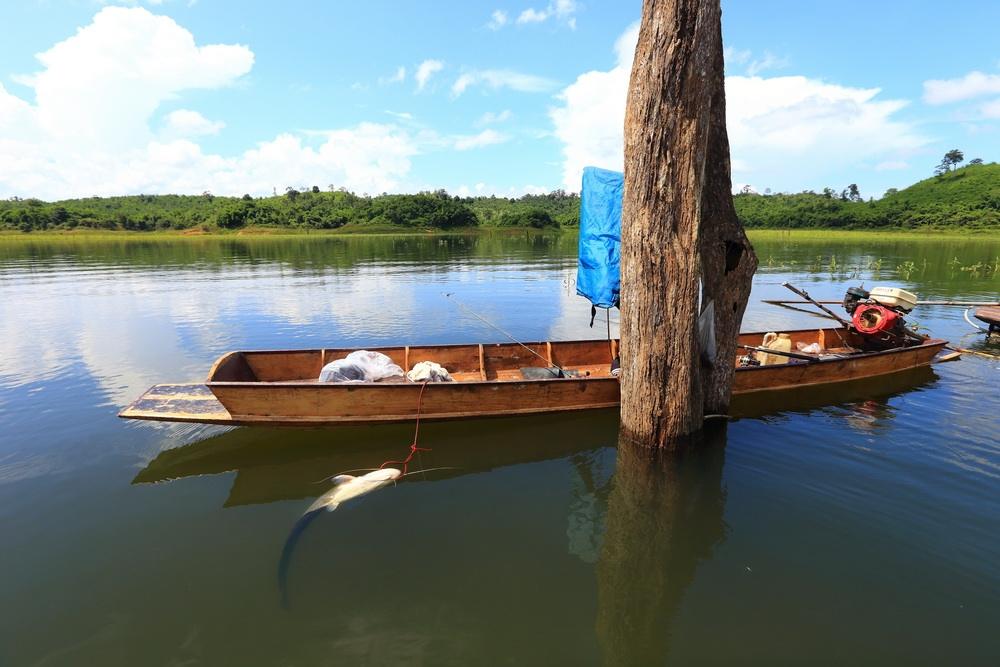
[(680, 234), (728, 261)]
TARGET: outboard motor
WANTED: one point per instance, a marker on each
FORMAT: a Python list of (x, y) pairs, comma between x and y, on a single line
[(872, 319), (853, 297), (878, 315)]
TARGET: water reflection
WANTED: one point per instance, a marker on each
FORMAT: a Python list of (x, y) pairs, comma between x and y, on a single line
[(665, 516), (877, 498), (284, 464), (867, 397)]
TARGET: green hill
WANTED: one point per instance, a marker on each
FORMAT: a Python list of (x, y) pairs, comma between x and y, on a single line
[(968, 185), (966, 198)]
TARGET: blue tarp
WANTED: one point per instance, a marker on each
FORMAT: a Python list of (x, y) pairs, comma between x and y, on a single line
[(598, 273)]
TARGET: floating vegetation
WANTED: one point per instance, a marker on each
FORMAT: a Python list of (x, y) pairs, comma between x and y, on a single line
[(975, 270), (906, 269), (875, 265), (983, 269)]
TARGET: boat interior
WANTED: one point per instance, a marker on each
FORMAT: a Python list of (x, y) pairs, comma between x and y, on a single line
[(483, 362)]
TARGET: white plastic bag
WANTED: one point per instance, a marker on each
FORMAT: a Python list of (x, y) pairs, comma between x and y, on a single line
[(706, 332), (360, 366), (428, 371)]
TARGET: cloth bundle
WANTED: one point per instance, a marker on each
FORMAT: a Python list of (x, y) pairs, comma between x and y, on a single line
[(428, 371)]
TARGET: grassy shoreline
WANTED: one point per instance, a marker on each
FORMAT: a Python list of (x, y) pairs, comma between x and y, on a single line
[(272, 232), (269, 233)]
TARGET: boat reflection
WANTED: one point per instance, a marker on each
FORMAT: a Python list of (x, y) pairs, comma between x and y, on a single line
[(273, 464), (864, 392)]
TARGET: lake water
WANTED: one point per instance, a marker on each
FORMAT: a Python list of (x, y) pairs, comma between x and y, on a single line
[(857, 527)]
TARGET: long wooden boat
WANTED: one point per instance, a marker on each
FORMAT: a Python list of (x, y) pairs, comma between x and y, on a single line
[(280, 387)]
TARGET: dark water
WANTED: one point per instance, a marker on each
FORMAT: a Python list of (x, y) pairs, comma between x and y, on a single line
[(852, 527)]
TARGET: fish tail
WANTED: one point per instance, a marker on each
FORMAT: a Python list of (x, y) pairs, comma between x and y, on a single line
[(286, 553)]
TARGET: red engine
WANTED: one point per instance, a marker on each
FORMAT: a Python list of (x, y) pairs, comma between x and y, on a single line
[(873, 319)]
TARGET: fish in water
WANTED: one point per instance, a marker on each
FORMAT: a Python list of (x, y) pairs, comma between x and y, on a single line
[(345, 487)]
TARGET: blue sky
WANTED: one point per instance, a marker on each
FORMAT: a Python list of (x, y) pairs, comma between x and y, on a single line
[(493, 97)]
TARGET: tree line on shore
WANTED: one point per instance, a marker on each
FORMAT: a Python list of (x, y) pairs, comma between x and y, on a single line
[(956, 198), (306, 209)]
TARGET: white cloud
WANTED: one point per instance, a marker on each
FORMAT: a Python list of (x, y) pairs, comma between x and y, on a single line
[(485, 190), (100, 88), (560, 10), (531, 15), (776, 125), (498, 19), (484, 138), (426, 70), (591, 119), (735, 56), (990, 109), (766, 62), (398, 77), (402, 115), (501, 78), (102, 84), (185, 123), (491, 118), (752, 66), (973, 84), (475, 191), (892, 165)]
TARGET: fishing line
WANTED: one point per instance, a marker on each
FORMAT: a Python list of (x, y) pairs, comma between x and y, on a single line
[(414, 449), (548, 362)]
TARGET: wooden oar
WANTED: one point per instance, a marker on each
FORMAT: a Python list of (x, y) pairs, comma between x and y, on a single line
[(781, 353), (953, 356), (831, 316), (781, 302), (964, 350), (805, 295)]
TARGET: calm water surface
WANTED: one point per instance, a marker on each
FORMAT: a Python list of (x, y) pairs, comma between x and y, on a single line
[(852, 527)]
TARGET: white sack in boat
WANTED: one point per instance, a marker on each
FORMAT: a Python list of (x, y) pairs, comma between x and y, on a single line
[(428, 371), (360, 366)]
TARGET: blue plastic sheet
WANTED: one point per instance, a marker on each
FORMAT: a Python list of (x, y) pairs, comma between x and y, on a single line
[(598, 276)]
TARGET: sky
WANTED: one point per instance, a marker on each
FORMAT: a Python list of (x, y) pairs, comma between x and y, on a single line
[(477, 97)]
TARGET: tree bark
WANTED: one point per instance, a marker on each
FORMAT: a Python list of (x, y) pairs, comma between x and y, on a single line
[(680, 234)]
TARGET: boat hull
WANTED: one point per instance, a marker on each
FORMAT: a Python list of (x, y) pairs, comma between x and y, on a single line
[(496, 393)]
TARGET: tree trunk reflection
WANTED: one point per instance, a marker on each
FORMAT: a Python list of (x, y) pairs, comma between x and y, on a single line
[(665, 515)]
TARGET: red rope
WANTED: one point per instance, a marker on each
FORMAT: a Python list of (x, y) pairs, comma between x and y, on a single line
[(416, 433)]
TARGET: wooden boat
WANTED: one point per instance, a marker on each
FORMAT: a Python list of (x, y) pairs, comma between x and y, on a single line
[(280, 387), (990, 315)]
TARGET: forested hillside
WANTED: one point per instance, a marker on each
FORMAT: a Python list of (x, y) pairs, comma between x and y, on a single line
[(967, 198)]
